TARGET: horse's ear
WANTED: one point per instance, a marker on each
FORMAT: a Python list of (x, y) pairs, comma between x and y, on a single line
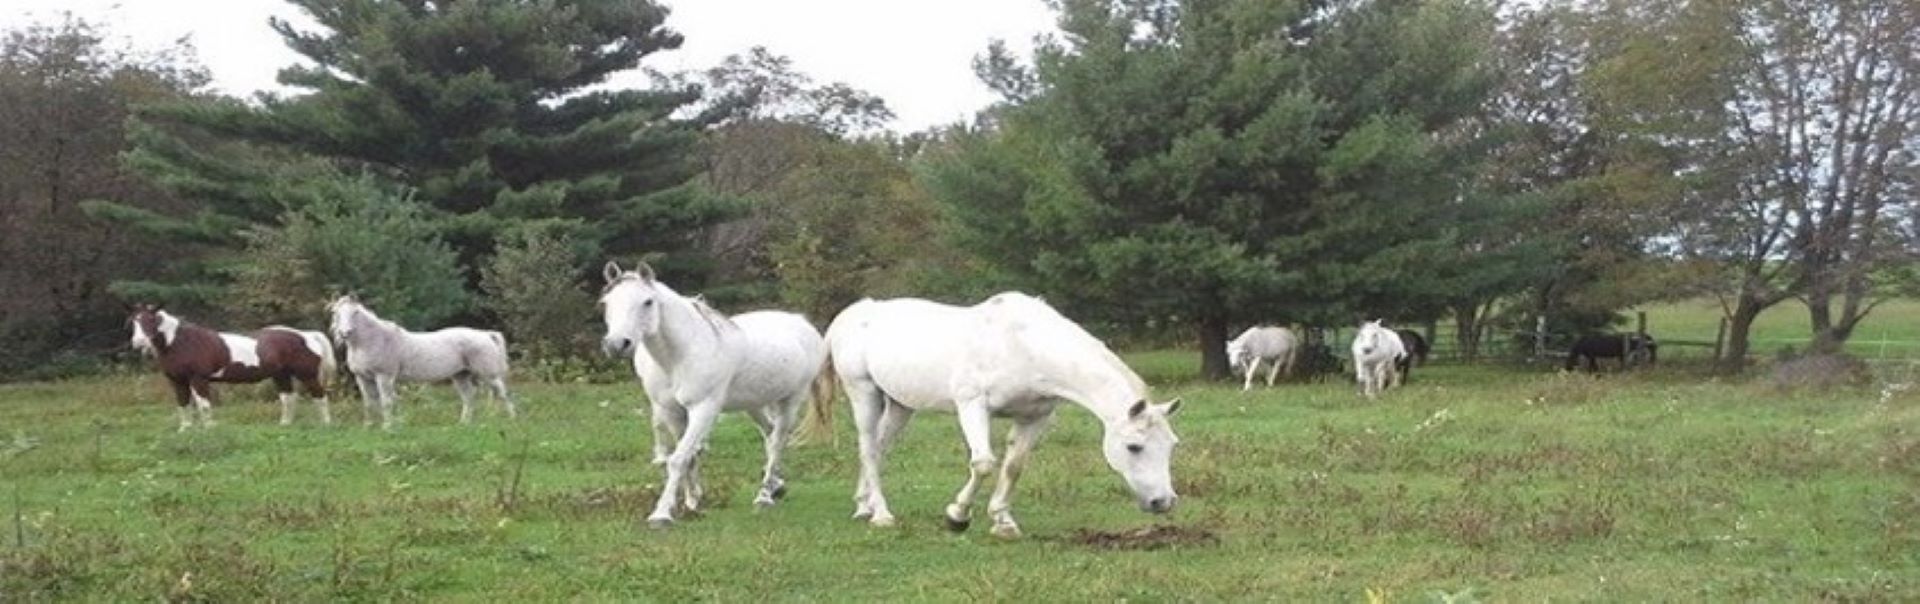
[(1171, 407), (611, 271), (1139, 407), (645, 270)]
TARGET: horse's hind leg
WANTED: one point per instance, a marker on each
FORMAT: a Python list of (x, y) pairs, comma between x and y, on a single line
[(317, 390), (869, 406), (499, 385), (1273, 370), (774, 429), (464, 385)]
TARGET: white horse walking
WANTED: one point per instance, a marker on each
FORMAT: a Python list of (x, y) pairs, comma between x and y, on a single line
[(380, 353), (696, 363), (1277, 346), (1377, 352), (1011, 356)]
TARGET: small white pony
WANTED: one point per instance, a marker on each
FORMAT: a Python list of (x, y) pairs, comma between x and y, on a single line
[(1011, 356), (380, 352), (1275, 345), (1377, 352), (696, 363)]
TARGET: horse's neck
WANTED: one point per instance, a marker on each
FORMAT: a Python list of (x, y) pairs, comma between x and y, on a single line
[(684, 333), (377, 333), (1098, 382)]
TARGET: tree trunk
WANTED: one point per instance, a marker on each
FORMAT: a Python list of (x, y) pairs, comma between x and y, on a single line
[(1739, 326), (1466, 331), (1213, 348)]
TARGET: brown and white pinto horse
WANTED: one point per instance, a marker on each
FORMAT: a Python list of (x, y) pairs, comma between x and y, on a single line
[(193, 357)]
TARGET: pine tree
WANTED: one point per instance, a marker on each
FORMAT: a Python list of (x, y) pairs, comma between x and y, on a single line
[(482, 108), (1213, 161)]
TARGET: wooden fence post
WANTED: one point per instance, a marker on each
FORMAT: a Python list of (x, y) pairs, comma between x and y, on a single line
[(1540, 336), (1643, 323)]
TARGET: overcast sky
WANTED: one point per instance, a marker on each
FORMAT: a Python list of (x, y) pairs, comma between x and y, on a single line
[(917, 54)]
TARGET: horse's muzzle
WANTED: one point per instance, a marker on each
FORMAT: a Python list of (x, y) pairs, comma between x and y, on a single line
[(1158, 505), (616, 347)]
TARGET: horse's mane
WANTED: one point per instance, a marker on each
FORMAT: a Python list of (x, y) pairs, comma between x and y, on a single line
[(715, 319)]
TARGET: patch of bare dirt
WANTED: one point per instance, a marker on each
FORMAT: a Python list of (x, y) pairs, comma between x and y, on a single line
[(1147, 538)]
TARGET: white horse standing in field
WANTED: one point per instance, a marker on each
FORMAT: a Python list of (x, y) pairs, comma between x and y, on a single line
[(380, 352), (1277, 346), (1377, 352), (696, 363), (1011, 356)]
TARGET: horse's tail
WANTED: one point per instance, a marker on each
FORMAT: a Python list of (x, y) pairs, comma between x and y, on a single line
[(819, 422), (323, 347)]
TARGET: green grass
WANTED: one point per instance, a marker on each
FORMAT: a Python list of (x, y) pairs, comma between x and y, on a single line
[(1507, 486)]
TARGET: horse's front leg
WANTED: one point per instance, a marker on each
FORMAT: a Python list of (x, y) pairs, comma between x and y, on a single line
[(976, 426), (1019, 442), (203, 400), (369, 398), (183, 401), (384, 384), (284, 386), (663, 420), (1273, 370), (700, 420), (1253, 366)]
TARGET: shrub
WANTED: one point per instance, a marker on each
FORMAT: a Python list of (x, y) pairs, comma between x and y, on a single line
[(349, 234), (532, 284)]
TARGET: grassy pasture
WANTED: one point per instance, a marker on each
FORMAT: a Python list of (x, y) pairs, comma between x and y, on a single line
[(1891, 332), (1476, 481)]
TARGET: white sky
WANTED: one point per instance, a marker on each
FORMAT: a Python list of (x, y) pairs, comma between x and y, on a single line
[(916, 54)]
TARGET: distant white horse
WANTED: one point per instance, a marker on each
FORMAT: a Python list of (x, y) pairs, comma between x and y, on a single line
[(696, 363), (1011, 356), (380, 352), (1275, 345), (1377, 352)]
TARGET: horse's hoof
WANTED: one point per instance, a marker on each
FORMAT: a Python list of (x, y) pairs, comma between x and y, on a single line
[(1006, 531), (862, 515), (883, 521), (762, 503), (958, 525), (659, 524), (659, 461), (780, 492)]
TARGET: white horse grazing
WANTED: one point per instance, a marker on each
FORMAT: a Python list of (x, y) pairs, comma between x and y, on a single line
[(696, 363), (1011, 356), (380, 352), (1377, 352), (1275, 345)]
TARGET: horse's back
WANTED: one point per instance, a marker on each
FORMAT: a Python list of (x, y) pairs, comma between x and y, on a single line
[(1269, 341), (780, 355), (482, 352), (906, 347)]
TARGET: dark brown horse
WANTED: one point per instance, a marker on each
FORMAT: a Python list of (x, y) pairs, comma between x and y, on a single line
[(1417, 348), (194, 357), (1629, 348)]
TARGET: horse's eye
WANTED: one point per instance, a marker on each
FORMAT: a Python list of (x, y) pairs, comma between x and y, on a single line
[(1136, 449), (647, 303)]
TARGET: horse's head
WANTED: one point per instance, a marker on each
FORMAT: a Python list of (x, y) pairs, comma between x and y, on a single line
[(1236, 354), (152, 328), (1140, 447), (342, 310), (1368, 340), (630, 304)]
